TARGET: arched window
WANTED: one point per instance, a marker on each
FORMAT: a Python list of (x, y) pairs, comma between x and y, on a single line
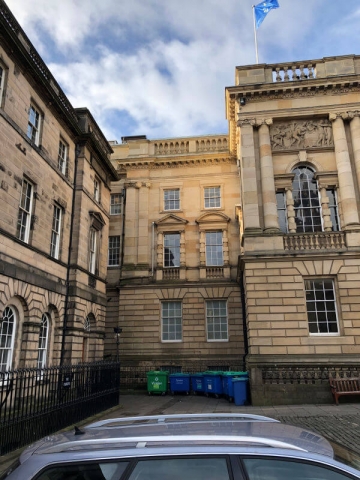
[(7, 337), (87, 324), (43, 341), (307, 206)]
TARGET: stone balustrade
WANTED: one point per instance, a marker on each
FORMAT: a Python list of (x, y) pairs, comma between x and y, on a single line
[(171, 274), (214, 272), (303, 70), (315, 241), (289, 73), (171, 148), (212, 145)]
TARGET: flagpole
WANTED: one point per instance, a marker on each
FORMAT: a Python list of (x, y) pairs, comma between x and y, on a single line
[(256, 45)]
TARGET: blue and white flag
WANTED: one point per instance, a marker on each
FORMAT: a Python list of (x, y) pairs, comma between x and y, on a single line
[(262, 9)]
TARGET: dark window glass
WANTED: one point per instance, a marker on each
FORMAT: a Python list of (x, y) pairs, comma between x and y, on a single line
[(84, 471), (306, 201)]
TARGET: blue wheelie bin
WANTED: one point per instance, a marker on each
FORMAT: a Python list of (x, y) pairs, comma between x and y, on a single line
[(179, 382), (240, 385), (197, 383), (213, 383), (227, 378)]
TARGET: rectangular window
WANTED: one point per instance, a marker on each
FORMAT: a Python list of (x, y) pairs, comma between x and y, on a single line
[(282, 212), (171, 322), (214, 249), (212, 197), (172, 199), (216, 320), (55, 232), (321, 307), (92, 250), (334, 214), (62, 156), (34, 125), (25, 210), (172, 250), (114, 251), (97, 189), (115, 204)]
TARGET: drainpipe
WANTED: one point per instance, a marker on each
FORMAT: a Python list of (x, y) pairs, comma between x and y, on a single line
[(243, 307), (67, 293), (152, 249)]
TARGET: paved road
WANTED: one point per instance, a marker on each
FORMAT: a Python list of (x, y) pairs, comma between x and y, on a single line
[(339, 424)]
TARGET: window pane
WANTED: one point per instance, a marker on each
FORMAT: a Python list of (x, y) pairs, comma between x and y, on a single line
[(212, 198), (205, 468), (265, 469), (43, 342), (172, 250), (321, 313), (115, 204), (7, 331), (216, 319), (306, 201), (214, 249), (55, 232), (114, 250), (172, 199), (171, 321)]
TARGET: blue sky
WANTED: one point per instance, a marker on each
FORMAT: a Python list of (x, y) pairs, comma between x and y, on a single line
[(160, 67)]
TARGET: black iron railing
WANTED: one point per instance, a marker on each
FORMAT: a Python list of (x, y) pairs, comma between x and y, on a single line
[(35, 403)]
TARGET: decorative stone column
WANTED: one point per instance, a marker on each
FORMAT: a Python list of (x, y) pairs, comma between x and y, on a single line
[(182, 250), (159, 250), (290, 210), (143, 219), (131, 224), (271, 221), (225, 249), (249, 183), (346, 183), (355, 140)]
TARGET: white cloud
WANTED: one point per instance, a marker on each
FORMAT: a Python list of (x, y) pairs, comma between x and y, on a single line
[(162, 65)]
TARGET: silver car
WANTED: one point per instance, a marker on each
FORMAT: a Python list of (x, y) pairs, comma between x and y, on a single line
[(183, 447)]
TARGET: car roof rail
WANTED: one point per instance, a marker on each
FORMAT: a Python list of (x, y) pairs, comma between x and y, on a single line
[(114, 422), (142, 442)]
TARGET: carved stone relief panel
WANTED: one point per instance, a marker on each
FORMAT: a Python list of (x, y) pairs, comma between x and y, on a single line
[(301, 135)]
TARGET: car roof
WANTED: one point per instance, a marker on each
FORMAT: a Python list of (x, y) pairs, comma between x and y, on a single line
[(174, 432)]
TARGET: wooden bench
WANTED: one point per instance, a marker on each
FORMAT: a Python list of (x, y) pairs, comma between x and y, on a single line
[(344, 386)]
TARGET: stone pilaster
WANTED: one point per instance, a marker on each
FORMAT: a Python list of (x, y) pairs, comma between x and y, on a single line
[(143, 236), (159, 250), (131, 226), (249, 184), (271, 221), (182, 250), (202, 249), (355, 140), (346, 183)]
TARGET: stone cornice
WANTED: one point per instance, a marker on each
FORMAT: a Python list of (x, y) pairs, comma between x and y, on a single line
[(172, 163), (275, 91)]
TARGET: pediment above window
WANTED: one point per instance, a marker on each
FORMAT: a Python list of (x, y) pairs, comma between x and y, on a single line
[(97, 220), (210, 220), (171, 222)]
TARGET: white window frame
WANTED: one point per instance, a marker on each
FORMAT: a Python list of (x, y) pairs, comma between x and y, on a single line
[(93, 245), (114, 251), (7, 351), (97, 189), (312, 301), (25, 210), (168, 321), (211, 318), (211, 249), (171, 199), (212, 197), (63, 156), (34, 124), (56, 232), (43, 341), (2, 82), (115, 203)]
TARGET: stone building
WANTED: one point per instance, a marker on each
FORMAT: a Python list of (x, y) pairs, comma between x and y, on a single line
[(55, 175), (295, 129), (176, 296)]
